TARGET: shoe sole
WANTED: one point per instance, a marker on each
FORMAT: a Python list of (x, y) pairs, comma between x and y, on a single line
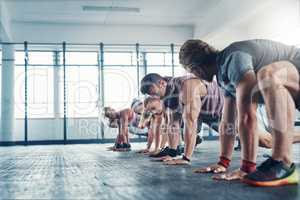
[(293, 179)]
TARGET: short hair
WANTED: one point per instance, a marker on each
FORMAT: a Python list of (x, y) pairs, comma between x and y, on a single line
[(148, 81), (106, 110), (195, 53), (150, 99), (135, 103)]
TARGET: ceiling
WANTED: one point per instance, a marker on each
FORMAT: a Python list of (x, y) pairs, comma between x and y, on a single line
[(152, 12)]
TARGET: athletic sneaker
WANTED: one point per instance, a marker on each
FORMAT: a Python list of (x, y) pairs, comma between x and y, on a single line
[(126, 146), (273, 173), (179, 150), (162, 153), (118, 146), (199, 140)]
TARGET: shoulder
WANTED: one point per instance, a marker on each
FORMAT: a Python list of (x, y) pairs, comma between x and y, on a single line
[(194, 85), (126, 112), (235, 48)]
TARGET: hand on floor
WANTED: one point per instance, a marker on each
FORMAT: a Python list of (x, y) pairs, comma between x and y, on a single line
[(154, 152), (163, 159), (230, 176), (111, 148), (143, 151), (211, 169), (177, 162)]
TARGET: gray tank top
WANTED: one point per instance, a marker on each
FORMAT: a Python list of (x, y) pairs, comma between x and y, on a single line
[(212, 103)]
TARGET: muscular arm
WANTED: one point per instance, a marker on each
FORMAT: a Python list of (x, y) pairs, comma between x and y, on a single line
[(246, 108), (157, 131), (150, 137), (191, 100), (227, 128)]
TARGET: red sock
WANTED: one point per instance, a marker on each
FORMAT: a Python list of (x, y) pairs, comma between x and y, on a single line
[(225, 162), (248, 166)]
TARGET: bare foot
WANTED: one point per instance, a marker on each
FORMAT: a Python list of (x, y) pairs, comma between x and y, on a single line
[(230, 176), (211, 169)]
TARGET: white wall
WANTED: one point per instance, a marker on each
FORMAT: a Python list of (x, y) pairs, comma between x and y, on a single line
[(35, 32), (275, 19)]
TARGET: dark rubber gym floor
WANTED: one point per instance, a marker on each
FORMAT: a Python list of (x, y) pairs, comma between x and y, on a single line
[(91, 172)]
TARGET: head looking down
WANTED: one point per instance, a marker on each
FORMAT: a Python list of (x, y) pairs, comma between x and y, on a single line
[(112, 115), (152, 106), (199, 58), (137, 106), (154, 85)]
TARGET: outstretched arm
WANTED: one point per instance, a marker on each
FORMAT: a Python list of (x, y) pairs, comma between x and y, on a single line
[(227, 132), (191, 93), (156, 127), (191, 101)]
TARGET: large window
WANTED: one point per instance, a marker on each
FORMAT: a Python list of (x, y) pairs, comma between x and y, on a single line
[(119, 58), (120, 79), (45, 80), (81, 84), (160, 63), (40, 85), (120, 86)]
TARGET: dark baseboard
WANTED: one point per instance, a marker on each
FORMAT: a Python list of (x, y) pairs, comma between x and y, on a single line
[(62, 142)]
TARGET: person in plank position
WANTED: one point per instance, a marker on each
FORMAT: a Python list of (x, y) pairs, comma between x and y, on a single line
[(121, 120), (178, 95), (252, 72)]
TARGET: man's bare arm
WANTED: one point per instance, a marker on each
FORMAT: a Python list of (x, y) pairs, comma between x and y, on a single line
[(191, 99)]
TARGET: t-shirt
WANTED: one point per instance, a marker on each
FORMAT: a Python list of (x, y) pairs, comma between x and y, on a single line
[(240, 57)]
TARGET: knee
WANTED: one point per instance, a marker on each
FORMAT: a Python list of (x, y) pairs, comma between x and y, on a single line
[(266, 73), (267, 78)]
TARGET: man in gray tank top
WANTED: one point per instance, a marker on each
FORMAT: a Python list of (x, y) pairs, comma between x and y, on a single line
[(189, 97), (252, 72)]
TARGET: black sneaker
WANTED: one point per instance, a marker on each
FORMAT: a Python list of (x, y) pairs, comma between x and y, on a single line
[(173, 152), (162, 153), (118, 146), (180, 150), (199, 140), (126, 146), (273, 173)]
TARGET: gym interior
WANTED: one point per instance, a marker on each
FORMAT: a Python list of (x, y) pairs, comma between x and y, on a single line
[(63, 63)]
